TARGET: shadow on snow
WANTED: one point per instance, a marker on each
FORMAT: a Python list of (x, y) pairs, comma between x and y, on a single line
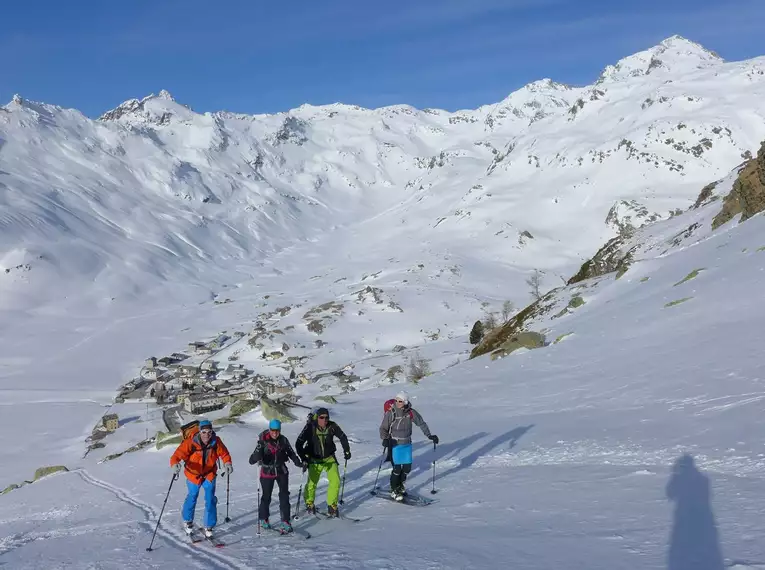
[(695, 542)]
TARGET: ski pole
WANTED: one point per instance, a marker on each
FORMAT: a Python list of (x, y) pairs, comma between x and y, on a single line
[(342, 489), (385, 453), (175, 476), (300, 492), (258, 507), (228, 488), (433, 490)]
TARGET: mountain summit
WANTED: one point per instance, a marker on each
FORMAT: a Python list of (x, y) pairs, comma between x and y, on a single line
[(152, 108), (673, 55)]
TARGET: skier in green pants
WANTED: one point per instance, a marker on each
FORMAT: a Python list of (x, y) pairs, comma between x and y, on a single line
[(316, 447)]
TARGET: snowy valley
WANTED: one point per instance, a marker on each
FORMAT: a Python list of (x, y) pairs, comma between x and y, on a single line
[(357, 248)]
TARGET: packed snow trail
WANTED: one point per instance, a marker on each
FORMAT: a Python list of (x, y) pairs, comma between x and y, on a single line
[(176, 539)]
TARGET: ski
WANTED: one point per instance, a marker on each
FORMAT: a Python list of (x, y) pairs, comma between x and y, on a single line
[(295, 531), (411, 500), (342, 517), (199, 536), (213, 541), (194, 536)]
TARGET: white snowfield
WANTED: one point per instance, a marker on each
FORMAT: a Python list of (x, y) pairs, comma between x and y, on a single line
[(632, 442)]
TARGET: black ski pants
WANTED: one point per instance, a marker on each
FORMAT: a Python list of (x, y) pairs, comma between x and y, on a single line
[(267, 485), (398, 475)]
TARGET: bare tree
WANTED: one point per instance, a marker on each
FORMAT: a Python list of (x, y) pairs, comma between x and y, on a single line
[(508, 309), (535, 283), (489, 322), (418, 367)]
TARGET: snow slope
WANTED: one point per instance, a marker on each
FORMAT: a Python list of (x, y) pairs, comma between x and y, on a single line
[(154, 209), (154, 194), (120, 235), (562, 456)]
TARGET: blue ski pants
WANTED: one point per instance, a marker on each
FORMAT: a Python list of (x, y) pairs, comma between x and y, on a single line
[(211, 502), (402, 465)]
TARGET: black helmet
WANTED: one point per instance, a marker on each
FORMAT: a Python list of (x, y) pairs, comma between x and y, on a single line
[(321, 412)]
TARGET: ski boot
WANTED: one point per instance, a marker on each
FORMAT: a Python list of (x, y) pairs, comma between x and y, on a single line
[(332, 511), (398, 493), (264, 523), (310, 508), (188, 527), (284, 527), (209, 532)]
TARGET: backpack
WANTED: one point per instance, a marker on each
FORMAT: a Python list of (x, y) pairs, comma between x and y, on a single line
[(389, 404), (190, 429)]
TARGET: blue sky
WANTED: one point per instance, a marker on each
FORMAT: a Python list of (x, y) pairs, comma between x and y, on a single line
[(258, 56)]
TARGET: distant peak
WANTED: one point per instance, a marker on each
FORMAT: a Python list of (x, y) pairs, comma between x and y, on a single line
[(546, 84), (129, 106), (17, 99), (673, 54), (136, 107), (684, 45), (678, 41), (164, 94)]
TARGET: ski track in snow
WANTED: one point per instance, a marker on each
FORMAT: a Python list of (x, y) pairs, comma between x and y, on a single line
[(18, 540), (176, 539), (289, 551)]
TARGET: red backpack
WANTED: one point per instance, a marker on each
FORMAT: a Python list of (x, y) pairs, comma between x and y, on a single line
[(389, 404)]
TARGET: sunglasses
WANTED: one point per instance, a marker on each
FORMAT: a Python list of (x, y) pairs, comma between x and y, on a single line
[(205, 430), (323, 417), (400, 402)]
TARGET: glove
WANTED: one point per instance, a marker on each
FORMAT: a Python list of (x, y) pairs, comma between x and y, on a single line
[(305, 467), (229, 468), (299, 464), (176, 468), (434, 439), (347, 454), (386, 442)]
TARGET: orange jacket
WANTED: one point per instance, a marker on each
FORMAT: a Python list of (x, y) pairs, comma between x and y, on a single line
[(201, 462)]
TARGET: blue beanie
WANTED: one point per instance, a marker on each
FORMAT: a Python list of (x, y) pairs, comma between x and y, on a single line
[(205, 424), (275, 424)]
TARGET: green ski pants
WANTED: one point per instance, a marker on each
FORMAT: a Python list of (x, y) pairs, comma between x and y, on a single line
[(333, 476)]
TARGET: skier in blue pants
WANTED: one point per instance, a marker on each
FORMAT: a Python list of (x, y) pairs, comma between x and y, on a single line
[(396, 433), (211, 502), (199, 454)]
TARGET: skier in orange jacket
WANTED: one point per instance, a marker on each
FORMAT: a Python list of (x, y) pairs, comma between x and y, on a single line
[(200, 454)]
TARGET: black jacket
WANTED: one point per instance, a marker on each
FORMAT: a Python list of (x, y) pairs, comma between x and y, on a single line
[(273, 454), (311, 445)]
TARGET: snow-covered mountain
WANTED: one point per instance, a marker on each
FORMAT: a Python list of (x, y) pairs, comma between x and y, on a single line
[(152, 193), (717, 211), (363, 238), (627, 442)]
